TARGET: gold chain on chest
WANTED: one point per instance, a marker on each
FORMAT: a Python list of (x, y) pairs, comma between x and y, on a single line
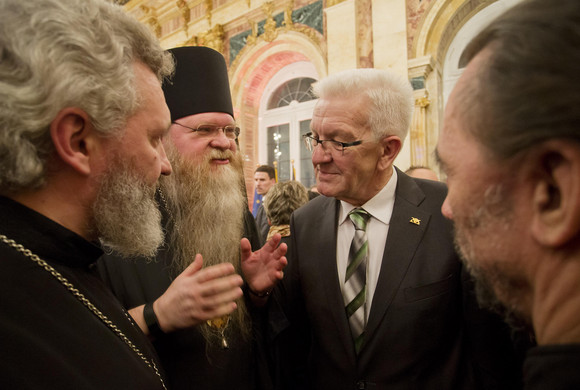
[(84, 300)]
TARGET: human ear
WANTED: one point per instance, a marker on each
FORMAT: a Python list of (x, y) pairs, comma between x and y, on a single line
[(556, 193), (70, 131), (389, 150)]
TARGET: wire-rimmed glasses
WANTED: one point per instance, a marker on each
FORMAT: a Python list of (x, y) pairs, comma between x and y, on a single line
[(204, 130)]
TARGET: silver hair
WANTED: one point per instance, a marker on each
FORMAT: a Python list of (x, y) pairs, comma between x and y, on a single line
[(65, 53), (390, 97)]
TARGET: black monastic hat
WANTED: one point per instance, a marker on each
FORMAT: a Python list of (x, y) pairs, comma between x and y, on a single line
[(200, 83)]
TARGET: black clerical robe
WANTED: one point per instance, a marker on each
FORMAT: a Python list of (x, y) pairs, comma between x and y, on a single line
[(187, 359), (48, 338)]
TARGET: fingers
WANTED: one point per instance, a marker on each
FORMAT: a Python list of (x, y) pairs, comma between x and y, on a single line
[(245, 246), (274, 241), (281, 250), (194, 267), (220, 290), (214, 272)]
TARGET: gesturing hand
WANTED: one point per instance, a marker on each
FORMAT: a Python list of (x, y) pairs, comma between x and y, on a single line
[(263, 268), (198, 295)]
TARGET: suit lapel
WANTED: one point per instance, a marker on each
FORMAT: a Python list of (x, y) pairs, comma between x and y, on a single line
[(328, 274), (406, 229)]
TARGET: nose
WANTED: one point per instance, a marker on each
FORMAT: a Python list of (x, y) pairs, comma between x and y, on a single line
[(220, 141), (319, 155), (165, 164), (446, 209)]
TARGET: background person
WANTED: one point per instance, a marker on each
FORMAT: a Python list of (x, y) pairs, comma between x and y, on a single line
[(421, 172), (283, 199), (264, 179)]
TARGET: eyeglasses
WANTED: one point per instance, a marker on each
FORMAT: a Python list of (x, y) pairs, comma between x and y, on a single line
[(230, 131), (311, 143)]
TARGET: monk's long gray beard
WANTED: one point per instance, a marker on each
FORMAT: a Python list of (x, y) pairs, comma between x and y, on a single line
[(207, 207)]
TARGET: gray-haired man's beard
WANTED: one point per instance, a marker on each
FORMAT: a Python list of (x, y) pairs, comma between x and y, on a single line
[(126, 216), (207, 207), (492, 215), (487, 298)]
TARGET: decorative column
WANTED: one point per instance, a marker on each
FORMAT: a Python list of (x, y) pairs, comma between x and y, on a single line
[(341, 29), (418, 132), (424, 129)]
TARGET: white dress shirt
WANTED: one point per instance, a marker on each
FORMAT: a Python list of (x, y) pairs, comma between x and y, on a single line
[(380, 207)]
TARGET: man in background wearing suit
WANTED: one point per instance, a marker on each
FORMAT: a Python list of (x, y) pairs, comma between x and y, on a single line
[(264, 179), (374, 296)]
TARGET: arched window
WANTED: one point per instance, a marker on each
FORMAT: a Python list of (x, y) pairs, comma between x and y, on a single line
[(452, 69), (298, 90), (289, 104)]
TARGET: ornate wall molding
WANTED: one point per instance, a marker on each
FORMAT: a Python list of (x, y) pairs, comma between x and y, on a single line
[(151, 19)]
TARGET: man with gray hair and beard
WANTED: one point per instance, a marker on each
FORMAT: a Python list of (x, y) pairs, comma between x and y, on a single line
[(82, 117), (205, 207), (510, 147)]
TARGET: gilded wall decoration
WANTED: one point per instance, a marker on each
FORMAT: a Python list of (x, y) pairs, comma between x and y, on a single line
[(213, 38), (307, 20), (419, 133), (151, 20), (208, 10), (185, 14), (270, 24)]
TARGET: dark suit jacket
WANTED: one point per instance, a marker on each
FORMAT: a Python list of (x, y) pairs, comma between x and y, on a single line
[(262, 224), (416, 331)]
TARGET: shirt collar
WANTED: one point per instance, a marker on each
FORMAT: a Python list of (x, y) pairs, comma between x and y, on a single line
[(379, 206)]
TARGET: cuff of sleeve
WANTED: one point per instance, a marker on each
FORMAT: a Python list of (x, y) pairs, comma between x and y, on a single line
[(152, 321)]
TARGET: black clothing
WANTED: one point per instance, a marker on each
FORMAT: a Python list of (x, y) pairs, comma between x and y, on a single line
[(187, 360), (186, 95), (262, 224), (553, 367), (421, 324), (48, 338)]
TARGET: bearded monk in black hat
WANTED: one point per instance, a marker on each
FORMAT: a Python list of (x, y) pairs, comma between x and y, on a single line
[(192, 298)]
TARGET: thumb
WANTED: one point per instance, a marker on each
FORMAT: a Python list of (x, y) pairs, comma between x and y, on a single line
[(246, 248), (194, 267)]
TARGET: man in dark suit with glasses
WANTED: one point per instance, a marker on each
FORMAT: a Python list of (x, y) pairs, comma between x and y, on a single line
[(374, 295)]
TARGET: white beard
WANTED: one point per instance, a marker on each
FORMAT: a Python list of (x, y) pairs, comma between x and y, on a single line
[(207, 207)]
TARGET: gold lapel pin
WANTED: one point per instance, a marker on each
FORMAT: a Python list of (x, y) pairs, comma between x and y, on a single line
[(416, 221)]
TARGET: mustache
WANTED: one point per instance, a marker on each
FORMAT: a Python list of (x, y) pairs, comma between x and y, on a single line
[(216, 154)]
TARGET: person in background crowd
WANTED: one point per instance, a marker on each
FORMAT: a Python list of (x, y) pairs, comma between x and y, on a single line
[(82, 118), (264, 179), (421, 172), (283, 199), (510, 147)]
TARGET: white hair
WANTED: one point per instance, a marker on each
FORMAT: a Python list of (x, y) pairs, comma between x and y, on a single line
[(390, 97)]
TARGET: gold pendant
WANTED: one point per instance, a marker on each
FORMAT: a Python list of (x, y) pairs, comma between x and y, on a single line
[(220, 324)]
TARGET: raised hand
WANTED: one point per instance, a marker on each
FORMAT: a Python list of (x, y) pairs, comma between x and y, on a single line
[(263, 268), (198, 295)]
